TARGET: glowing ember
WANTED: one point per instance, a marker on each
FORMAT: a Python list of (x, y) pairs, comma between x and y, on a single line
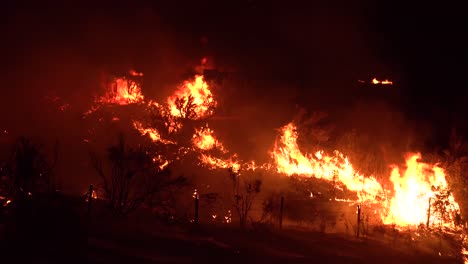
[(413, 191), (205, 140), (7, 202), (163, 163), (228, 217), (196, 94), (290, 160)]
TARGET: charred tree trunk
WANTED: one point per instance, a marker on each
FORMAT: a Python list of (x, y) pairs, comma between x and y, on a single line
[(358, 219), (90, 198), (281, 213), (196, 209)]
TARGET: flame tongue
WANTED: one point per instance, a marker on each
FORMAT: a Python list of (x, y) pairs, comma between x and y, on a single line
[(290, 160)]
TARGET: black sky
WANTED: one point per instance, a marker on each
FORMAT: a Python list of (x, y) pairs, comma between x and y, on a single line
[(318, 47)]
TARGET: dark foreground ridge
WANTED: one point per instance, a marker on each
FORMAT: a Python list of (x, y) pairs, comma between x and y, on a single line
[(53, 229)]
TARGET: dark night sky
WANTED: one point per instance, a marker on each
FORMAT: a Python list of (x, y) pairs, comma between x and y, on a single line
[(304, 52), (310, 42)]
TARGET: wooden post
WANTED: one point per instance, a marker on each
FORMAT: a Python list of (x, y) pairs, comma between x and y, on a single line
[(281, 213), (358, 219), (196, 208), (90, 198), (428, 213)]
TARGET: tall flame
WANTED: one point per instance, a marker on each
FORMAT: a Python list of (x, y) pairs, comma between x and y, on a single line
[(414, 190), (202, 97)]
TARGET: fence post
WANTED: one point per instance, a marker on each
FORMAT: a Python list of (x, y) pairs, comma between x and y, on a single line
[(90, 198), (428, 213), (281, 213), (196, 208), (358, 219)]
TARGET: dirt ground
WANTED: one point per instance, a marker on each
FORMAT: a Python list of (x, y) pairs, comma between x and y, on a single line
[(61, 235), (231, 245)]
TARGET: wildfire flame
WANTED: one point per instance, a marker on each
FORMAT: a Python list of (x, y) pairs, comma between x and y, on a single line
[(205, 140), (290, 160), (413, 190), (151, 132), (200, 94), (122, 91), (384, 82), (216, 163)]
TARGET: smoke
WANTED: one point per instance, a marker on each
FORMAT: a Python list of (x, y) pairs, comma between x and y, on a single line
[(275, 61)]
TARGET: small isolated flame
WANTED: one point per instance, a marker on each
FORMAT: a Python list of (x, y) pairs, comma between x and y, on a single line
[(135, 73), (384, 82), (159, 159), (413, 190), (202, 97), (122, 91), (94, 195), (7, 202), (205, 140), (228, 217), (290, 160)]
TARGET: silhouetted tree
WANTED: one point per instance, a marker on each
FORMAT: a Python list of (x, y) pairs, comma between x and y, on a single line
[(441, 207), (245, 191), (455, 161), (134, 176), (28, 170)]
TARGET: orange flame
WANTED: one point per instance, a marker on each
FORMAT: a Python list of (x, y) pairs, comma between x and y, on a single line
[(413, 191), (202, 97), (151, 132), (385, 82), (205, 140), (290, 160), (122, 92), (216, 163)]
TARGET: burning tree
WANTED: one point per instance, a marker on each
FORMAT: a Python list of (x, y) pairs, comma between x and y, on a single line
[(134, 177), (442, 207), (245, 191)]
